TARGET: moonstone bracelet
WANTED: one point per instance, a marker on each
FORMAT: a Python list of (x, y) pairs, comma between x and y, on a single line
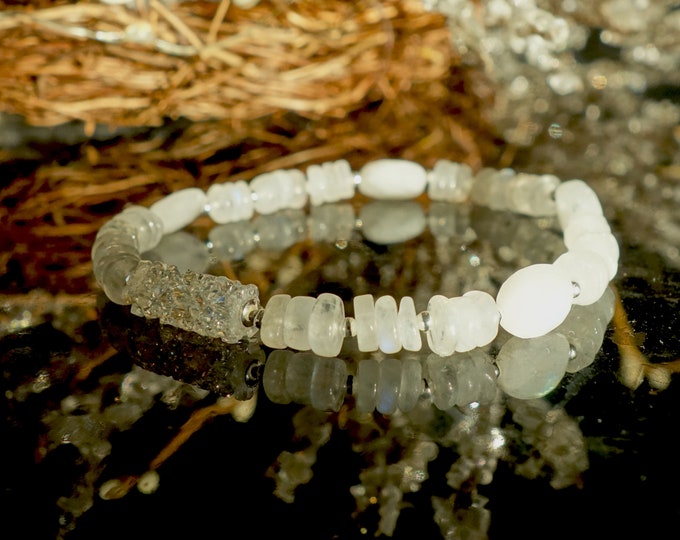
[(533, 301)]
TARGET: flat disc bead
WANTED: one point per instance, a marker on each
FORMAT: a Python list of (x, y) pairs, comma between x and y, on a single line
[(588, 270), (328, 384), (411, 385), (392, 179), (534, 300), (387, 393), (364, 315), (407, 322), (484, 327), (296, 322), (148, 225), (365, 384), (327, 325), (271, 328), (274, 377), (441, 335), (387, 326)]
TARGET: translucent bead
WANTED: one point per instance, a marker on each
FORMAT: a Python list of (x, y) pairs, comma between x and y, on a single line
[(329, 384), (296, 322), (365, 384), (232, 241), (271, 327), (180, 208), (274, 377), (441, 335), (588, 270), (411, 385), (407, 323), (440, 373), (327, 325), (392, 222), (148, 226), (274, 191), (115, 232), (574, 198), (485, 374), (585, 333), (331, 222), (532, 368), (230, 202), (330, 182), (483, 327), (490, 187), (114, 274), (364, 315), (387, 329), (532, 195), (299, 372), (585, 223), (449, 181), (534, 300), (392, 179), (461, 315), (601, 243), (387, 393), (103, 254), (279, 231)]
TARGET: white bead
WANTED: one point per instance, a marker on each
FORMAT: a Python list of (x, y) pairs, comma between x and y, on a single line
[(330, 182), (271, 328), (585, 223), (441, 335), (484, 327), (588, 270), (386, 324), (180, 208), (392, 222), (364, 315), (462, 316), (274, 191), (296, 322), (365, 384), (603, 244), (407, 323), (449, 181), (387, 393), (534, 300), (392, 179), (148, 225), (327, 325), (574, 198), (229, 202)]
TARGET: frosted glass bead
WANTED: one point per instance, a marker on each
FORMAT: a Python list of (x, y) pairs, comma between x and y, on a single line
[(392, 222), (449, 181), (601, 243), (386, 325), (364, 316), (411, 385), (574, 198), (271, 327), (534, 300), (441, 335), (330, 182), (329, 384), (387, 393), (407, 323), (274, 191), (327, 325), (532, 195), (331, 222), (180, 208), (274, 377), (299, 371), (148, 226), (440, 373), (113, 276), (483, 327), (588, 270), (232, 241), (392, 179), (229, 202), (365, 384), (585, 223), (531, 368), (296, 322), (183, 250)]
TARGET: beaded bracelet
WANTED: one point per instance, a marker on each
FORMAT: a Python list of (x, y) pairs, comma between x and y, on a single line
[(530, 303)]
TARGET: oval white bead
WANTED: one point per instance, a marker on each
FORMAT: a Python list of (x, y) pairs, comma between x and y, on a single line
[(327, 325), (588, 270), (534, 300), (392, 179), (180, 208)]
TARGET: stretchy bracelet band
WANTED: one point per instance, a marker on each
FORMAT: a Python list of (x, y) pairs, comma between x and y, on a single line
[(533, 301)]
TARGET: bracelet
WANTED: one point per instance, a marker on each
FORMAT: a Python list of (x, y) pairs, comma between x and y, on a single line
[(530, 303)]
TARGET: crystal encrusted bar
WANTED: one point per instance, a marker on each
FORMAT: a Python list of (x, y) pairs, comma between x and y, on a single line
[(209, 305)]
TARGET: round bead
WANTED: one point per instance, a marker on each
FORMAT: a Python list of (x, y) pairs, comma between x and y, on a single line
[(365, 384), (462, 316), (531, 368), (296, 322), (588, 270), (327, 325), (274, 377), (328, 384), (392, 179), (392, 222), (387, 393), (271, 328), (180, 208), (407, 323), (387, 330), (534, 300), (364, 315), (230, 202)]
